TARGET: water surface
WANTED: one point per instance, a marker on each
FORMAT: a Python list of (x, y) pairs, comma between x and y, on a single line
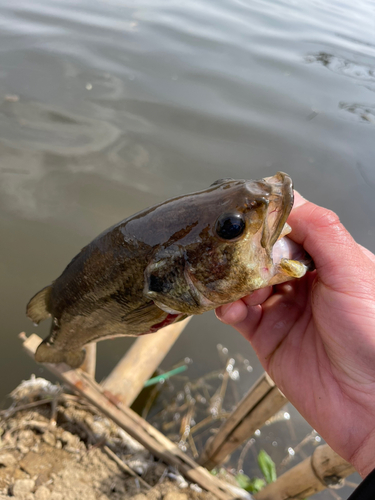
[(109, 106)]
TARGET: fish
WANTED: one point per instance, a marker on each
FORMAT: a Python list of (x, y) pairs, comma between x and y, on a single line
[(182, 257)]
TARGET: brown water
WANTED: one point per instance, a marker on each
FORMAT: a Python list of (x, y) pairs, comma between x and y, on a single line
[(110, 106)]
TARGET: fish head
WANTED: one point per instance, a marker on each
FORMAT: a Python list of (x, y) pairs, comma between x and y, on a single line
[(228, 252)]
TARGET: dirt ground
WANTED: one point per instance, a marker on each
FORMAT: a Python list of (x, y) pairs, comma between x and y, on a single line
[(54, 446)]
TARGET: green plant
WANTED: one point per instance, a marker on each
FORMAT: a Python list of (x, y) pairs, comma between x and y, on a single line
[(267, 466), (252, 485)]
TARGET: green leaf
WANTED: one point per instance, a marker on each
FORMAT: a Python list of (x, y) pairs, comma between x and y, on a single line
[(267, 466), (257, 484), (251, 485), (243, 481)]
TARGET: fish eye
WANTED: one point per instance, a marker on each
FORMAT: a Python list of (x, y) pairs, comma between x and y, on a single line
[(230, 226)]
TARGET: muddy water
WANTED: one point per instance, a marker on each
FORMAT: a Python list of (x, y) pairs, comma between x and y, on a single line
[(110, 106)]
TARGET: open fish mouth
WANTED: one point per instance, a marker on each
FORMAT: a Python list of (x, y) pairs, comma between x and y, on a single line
[(280, 202), (275, 227), (285, 248)]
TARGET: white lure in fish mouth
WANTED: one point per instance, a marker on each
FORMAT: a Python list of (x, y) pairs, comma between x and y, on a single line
[(285, 248)]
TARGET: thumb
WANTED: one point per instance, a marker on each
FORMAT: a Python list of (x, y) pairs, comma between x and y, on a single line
[(339, 260)]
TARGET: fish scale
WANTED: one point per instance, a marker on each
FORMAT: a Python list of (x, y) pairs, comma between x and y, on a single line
[(182, 257)]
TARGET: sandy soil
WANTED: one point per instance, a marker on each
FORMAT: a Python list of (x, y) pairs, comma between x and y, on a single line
[(60, 449)]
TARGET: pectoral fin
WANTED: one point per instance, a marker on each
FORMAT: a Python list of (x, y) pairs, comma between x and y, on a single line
[(167, 283)]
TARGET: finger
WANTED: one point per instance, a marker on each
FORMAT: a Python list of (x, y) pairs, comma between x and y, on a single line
[(258, 297), (235, 312), (287, 308), (336, 255), (245, 319), (368, 254), (300, 200), (266, 326)]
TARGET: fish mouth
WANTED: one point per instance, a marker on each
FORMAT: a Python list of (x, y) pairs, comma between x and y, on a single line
[(280, 199)]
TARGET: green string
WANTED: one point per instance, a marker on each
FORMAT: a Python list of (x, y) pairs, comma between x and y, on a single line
[(164, 376)]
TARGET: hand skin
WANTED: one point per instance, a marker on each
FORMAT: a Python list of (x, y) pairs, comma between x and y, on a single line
[(316, 336)]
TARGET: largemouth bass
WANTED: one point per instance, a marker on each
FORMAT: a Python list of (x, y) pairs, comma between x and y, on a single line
[(182, 257)]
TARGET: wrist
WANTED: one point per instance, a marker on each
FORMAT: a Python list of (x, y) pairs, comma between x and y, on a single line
[(363, 459)]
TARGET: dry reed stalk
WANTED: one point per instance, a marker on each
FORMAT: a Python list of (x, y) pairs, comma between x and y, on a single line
[(133, 424), (89, 365), (323, 469), (139, 363), (261, 402)]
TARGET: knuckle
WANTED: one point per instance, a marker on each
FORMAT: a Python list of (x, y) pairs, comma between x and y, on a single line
[(328, 218)]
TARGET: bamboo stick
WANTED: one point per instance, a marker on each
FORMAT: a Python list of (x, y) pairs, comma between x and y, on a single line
[(89, 364), (139, 363), (132, 423), (261, 402), (324, 468)]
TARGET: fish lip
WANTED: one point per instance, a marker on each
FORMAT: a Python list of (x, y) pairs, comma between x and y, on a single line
[(281, 189)]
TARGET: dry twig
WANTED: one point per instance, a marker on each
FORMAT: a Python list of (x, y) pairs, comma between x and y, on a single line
[(124, 466)]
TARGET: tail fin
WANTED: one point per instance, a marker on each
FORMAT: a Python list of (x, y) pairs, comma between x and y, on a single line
[(47, 353), (37, 308)]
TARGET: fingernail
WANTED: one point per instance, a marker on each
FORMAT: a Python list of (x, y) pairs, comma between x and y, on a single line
[(222, 310), (298, 199)]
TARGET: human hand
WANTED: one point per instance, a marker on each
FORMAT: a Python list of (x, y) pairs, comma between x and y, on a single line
[(316, 336)]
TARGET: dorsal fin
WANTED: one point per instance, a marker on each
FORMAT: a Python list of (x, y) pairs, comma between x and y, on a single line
[(220, 181)]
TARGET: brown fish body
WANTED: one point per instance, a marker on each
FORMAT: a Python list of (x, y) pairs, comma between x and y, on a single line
[(181, 257)]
